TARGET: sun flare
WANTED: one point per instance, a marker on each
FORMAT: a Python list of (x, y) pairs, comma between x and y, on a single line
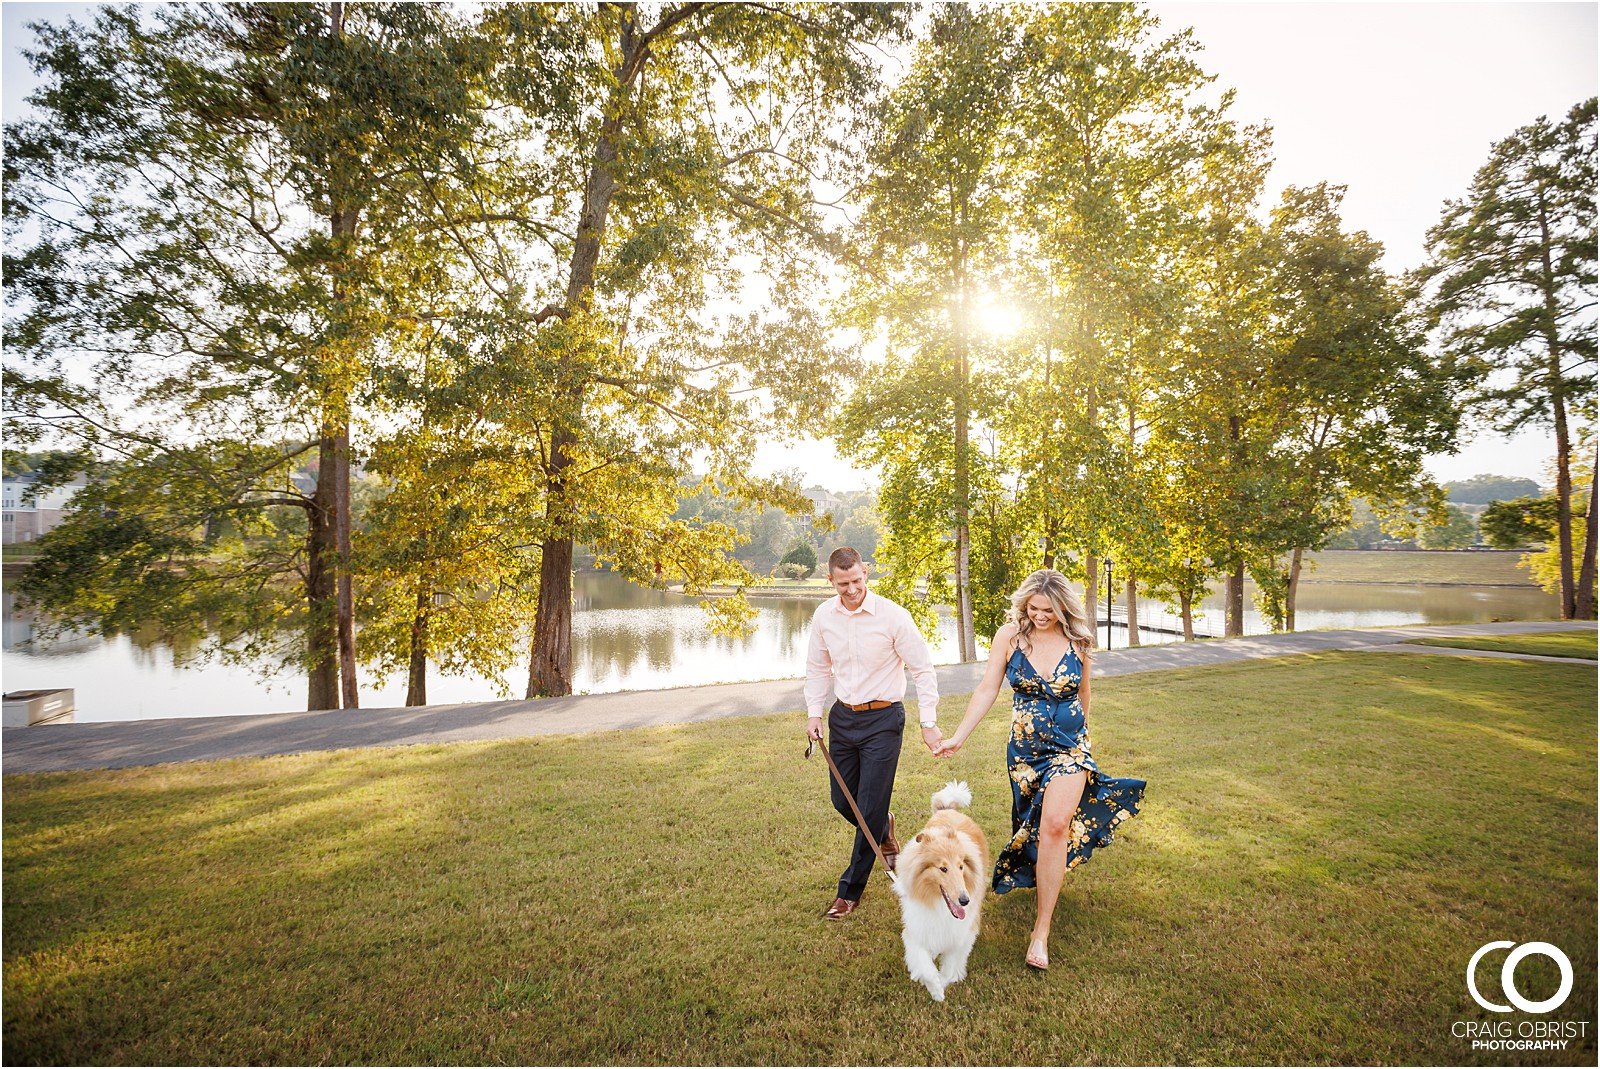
[(994, 316)]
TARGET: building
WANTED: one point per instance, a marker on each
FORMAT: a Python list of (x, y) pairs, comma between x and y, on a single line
[(24, 518), (824, 500)]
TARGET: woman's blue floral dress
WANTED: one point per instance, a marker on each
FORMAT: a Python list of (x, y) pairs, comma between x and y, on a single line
[(1049, 737)]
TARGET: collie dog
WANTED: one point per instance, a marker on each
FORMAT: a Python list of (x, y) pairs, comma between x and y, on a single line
[(942, 873)]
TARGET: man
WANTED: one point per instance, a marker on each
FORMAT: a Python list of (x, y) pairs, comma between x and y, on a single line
[(861, 645)]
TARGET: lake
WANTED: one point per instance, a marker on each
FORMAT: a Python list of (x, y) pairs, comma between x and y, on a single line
[(627, 637)]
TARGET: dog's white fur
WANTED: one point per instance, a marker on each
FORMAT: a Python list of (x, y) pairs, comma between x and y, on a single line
[(946, 861)]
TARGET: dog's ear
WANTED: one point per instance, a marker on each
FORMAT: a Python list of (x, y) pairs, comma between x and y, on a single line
[(918, 838)]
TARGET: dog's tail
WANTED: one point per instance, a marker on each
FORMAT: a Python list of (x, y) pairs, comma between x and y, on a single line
[(954, 796)]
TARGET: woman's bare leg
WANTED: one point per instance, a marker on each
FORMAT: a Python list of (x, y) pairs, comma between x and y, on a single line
[(1061, 799)]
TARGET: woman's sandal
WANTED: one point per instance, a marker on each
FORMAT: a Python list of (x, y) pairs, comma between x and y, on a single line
[(1034, 961)]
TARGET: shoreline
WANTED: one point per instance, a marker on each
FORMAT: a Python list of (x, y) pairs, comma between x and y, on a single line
[(818, 594), (128, 743)]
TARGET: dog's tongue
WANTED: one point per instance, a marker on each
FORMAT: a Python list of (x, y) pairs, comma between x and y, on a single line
[(956, 911)]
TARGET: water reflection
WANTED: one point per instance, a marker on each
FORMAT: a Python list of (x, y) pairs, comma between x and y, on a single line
[(631, 638)]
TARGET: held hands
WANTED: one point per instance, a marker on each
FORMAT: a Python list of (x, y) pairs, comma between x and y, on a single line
[(933, 738), (950, 746)]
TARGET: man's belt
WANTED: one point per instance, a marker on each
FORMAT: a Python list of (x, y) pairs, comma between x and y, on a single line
[(866, 707)]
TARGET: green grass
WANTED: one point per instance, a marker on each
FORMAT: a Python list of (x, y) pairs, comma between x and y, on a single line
[(1557, 644), (19, 551), (1325, 841), (1448, 568)]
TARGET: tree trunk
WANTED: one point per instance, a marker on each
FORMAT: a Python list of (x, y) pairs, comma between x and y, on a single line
[(550, 672), (342, 228), (417, 677), (1050, 534), (1569, 601), (1584, 602), (1234, 627), (1558, 411), (1233, 614), (1133, 611), (1294, 587), (347, 614), (1186, 610), (322, 630), (550, 661), (965, 640)]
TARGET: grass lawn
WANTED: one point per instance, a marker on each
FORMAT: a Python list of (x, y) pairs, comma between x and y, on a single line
[(1325, 842), (1482, 568), (1556, 644)]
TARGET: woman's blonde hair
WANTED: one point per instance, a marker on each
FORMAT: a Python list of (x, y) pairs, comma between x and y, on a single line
[(1068, 606)]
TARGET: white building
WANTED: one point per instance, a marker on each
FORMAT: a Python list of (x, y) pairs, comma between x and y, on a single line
[(25, 519)]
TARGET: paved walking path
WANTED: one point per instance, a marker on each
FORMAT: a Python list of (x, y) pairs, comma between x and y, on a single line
[(121, 744)]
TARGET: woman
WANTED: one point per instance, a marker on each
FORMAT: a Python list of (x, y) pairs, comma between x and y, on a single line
[(1051, 769)]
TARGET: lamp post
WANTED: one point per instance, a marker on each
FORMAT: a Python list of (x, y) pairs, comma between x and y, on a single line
[(1108, 603)]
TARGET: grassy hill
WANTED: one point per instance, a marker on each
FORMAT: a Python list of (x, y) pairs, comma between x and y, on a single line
[(1449, 567)]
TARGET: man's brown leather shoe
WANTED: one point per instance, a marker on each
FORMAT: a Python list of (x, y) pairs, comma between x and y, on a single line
[(891, 846), (841, 908)]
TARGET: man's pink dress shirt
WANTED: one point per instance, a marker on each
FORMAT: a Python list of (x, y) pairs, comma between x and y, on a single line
[(864, 655)]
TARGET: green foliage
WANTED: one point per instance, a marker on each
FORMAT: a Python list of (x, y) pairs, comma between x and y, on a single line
[(1458, 531), (1509, 281), (1515, 523), (267, 187), (803, 559), (481, 243), (1509, 290), (932, 237), (50, 466), (207, 563), (860, 530), (1272, 592)]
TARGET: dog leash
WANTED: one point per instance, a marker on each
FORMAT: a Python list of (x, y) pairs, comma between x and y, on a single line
[(861, 821)]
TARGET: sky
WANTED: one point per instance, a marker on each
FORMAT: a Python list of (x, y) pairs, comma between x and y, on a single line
[(1400, 102)]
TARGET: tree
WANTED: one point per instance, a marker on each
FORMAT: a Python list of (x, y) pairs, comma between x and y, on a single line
[(1523, 521), (860, 530), (931, 230), (1214, 393), (1515, 523), (1509, 285), (222, 210), (1355, 403), (1458, 531), (446, 553), (802, 557), (699, 131), (1111, 130)]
